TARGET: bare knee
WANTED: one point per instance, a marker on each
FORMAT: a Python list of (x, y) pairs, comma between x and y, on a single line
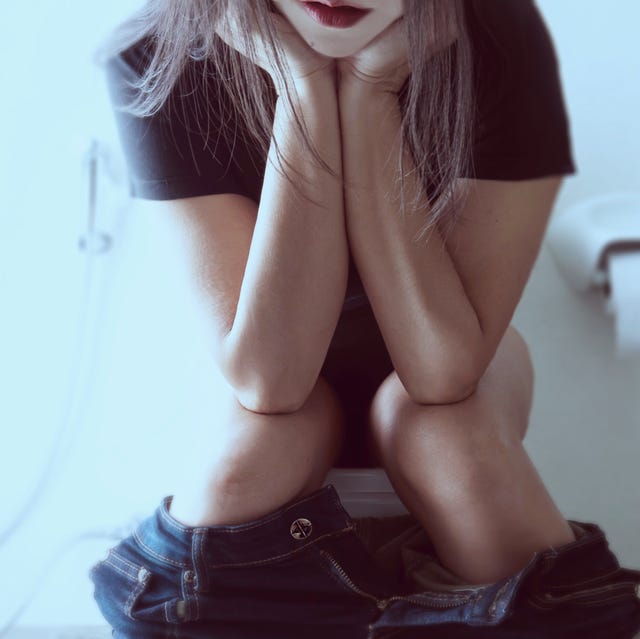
[(310, 436)]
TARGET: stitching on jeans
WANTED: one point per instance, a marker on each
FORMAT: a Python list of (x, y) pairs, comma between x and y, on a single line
[(237, 528), (276, 557), (589, 537), (600, 602), (432, 594), (585, 604), (202, 565), (120, 570), (135, 568), (494, 604), (135, 592), (157, 555), (576, 600), (593, 580)]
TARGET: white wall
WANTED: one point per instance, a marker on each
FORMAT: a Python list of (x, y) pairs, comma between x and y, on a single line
[(144, 395), (584, 435)]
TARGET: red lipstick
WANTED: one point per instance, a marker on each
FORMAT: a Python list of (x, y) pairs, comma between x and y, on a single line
[(338, 15)]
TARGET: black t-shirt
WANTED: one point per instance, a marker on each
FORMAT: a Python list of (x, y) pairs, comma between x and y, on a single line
[(521, 128)]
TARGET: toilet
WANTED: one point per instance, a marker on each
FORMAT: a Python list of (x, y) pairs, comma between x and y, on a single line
[(366, 492)]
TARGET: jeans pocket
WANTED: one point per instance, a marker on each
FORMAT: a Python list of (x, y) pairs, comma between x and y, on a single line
[(127, 590)]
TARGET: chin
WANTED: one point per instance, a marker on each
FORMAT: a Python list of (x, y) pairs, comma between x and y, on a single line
[(340, 45), (335, 49)]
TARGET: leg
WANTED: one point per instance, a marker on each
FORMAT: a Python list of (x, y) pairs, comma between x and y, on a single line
[(262, 461), (462, 470)]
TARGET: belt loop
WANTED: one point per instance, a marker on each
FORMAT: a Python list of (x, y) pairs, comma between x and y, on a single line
[(198, 557)]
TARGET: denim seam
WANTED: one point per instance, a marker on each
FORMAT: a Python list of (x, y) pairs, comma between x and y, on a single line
[(600, 602), (494, 604), (588, 537), (276, 557), (593, 580), (196, 600), (587, 604), (199, 559), (445, 596), (338, 504), (238, 528), (133, 595), (157, 555), (113, 558), (120, 570)]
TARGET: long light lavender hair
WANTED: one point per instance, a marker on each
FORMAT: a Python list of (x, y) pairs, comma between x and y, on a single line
[(439, 96)]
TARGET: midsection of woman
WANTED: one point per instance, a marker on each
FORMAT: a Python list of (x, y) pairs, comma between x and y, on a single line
[(329, 317), (516, 138)]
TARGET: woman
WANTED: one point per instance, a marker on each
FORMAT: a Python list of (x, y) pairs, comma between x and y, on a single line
[(360, 301)]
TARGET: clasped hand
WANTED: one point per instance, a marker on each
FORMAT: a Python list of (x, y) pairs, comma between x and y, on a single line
[(381, 65)]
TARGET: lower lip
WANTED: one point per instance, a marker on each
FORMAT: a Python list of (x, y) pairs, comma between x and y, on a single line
[(337, 17)]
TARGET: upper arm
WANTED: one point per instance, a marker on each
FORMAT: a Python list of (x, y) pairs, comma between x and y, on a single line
[(212, 234), (521, 151), (201, 185)]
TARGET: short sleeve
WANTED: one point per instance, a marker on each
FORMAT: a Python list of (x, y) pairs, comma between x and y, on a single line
[(167, 155), (522, 127)]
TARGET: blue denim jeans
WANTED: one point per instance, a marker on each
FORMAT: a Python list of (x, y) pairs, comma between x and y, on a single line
[(310, 570)]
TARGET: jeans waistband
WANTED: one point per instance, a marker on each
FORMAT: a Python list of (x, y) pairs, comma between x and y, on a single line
[(288, 530)]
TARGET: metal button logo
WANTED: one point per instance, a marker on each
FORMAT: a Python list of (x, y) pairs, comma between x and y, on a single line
[(301, 528)]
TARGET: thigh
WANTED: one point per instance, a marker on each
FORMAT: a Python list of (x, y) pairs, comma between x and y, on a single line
[(356, 364)]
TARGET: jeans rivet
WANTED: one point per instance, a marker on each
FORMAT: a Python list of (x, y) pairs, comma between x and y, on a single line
[(301, 528), (188, 576)]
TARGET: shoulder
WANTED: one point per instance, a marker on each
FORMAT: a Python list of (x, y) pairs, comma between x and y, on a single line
[(522, 123)]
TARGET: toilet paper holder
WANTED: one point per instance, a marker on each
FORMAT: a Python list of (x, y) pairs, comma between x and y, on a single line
[(583, 237)]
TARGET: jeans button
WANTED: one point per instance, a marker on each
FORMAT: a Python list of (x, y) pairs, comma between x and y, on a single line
[(301, 528)]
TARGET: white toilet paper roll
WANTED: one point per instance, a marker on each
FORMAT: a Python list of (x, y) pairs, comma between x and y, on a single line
[(624, 303)]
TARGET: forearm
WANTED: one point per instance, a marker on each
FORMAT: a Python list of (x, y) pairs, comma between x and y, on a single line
[(296, 272), (416, 295)]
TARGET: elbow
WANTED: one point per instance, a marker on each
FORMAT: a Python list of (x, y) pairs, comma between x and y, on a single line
[(259, 398), (257, 387), (445, 384)]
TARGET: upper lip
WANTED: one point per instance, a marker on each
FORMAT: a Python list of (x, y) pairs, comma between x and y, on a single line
[(337, 3)]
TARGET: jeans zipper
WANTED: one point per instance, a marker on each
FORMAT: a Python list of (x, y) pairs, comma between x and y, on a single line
[(451, 600)]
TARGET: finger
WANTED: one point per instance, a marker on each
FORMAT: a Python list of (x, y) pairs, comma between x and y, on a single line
[(282, 24)]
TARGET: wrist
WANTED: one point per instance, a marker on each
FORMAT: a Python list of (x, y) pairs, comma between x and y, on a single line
[(318, 81), (353, 88), (358, 96)]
